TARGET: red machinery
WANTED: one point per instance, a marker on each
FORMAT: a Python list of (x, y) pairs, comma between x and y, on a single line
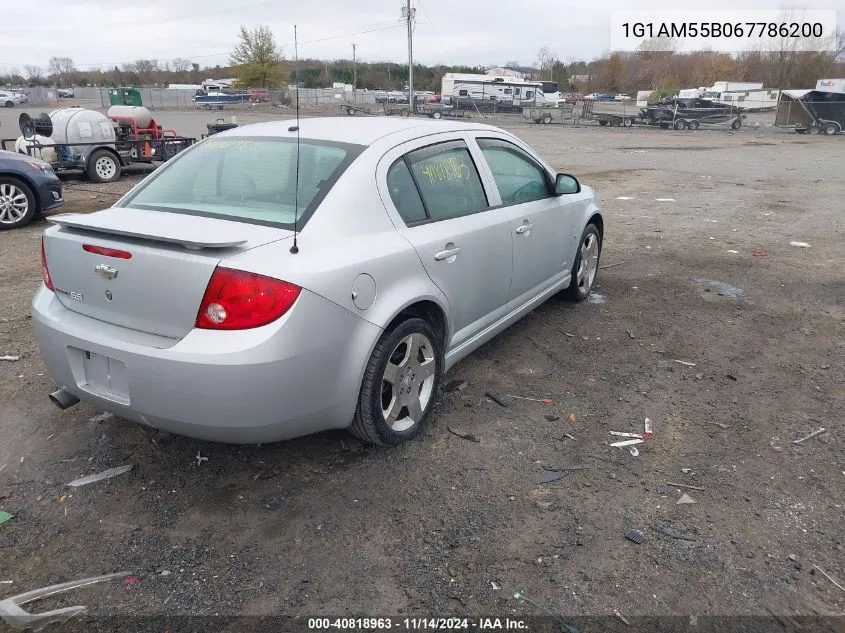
[(136, 123)]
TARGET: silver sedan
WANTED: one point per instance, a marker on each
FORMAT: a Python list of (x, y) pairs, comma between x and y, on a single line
[(274, 281)]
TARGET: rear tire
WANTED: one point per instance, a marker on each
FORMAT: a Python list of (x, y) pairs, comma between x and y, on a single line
[(398, 389), (436, 115), (103, 166), (583, 278), (547, 119), (627, 122), (737, 123), (17, 203), (603, 123)]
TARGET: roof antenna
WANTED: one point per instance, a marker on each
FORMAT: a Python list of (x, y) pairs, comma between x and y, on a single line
[(295, 249)]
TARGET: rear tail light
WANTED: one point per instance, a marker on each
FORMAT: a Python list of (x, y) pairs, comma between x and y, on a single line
[(238, 300), (45, 273)]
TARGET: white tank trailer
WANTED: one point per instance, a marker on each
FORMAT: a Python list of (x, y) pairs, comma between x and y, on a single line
[(80, 138), (78, 125)]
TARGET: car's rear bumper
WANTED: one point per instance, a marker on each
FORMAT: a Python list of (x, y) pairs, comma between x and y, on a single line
[(293, 377)]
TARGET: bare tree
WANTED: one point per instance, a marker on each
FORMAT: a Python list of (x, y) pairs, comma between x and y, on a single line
[(63, 68), (546, 60), (34, 73), (180, 64)]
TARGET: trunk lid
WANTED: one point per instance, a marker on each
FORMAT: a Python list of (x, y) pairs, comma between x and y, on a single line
[(160, 287)]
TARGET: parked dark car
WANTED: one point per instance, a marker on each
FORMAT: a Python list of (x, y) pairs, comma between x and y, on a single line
[(28, 186)]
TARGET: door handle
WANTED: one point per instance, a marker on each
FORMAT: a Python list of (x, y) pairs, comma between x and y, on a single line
[(449, 253), (524, 228)]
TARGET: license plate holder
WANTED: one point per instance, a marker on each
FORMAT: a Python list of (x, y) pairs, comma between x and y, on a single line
[(102, 376)]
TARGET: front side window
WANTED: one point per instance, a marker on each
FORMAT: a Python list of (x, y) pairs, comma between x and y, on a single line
[(518, 178), (462, 93), (247, 179), (529, 94), (447, 180)]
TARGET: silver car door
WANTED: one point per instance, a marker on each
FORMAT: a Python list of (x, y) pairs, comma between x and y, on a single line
[(540, 221), (437, 201)]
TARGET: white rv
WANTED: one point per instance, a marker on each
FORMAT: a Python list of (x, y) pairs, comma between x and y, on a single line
[(489, 91)]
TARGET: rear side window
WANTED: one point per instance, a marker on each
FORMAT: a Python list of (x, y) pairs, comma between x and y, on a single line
[(447, 180), (404, 193)]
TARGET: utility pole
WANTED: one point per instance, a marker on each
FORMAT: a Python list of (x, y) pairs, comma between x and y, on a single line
[(354, 70), (408, 13)]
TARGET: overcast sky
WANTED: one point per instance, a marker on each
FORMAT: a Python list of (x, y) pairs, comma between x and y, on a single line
[(105, 33)]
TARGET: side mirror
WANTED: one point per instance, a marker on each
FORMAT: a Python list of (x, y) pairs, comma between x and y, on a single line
[(564, 183)]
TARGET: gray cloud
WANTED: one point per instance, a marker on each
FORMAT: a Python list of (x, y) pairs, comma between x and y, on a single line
[(96, 33)]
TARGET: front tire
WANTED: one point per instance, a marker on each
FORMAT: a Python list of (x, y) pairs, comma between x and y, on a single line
[(830, 129), (586, 265), (17, 204), (400, 383)]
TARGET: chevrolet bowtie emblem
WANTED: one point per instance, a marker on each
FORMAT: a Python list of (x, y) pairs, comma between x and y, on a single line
[(106, 272)]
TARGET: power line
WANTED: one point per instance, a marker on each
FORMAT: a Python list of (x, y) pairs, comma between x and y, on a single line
[(436, 34)]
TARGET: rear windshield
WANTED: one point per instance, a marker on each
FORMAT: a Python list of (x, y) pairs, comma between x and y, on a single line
[(247, 179)]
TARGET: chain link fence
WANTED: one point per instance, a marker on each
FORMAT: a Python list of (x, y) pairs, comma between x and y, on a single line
[(179, 99)]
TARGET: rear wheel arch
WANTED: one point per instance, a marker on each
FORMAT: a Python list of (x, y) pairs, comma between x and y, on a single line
[(430, 312), (598, 220)]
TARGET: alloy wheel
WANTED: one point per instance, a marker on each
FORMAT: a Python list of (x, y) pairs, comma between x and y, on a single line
[(13, 204), (407, 383), (589, 264)]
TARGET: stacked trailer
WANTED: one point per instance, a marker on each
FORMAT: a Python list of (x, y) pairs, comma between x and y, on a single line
[(611, 114), (548, 115)]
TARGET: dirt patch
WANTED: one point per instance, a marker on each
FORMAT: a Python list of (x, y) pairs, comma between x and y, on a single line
[(325, 525)]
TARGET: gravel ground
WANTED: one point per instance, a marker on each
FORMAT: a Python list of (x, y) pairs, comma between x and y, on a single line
[(445, 526)]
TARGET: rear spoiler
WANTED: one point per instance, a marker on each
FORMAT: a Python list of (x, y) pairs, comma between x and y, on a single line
[(174, 228)]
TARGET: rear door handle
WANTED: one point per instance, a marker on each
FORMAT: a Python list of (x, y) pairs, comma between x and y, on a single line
[(524, 228), (450, 252)]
